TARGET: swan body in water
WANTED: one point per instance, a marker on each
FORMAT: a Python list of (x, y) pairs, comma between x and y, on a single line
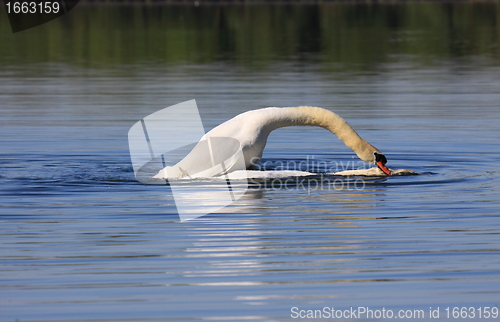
[(251, 129)]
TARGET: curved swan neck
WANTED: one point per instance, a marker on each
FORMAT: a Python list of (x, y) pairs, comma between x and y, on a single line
[(315, 116), (332, 122)]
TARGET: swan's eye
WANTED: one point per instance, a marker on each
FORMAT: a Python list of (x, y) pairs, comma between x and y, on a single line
[(380, 157)]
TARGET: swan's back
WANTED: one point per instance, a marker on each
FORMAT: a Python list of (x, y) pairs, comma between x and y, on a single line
[(246, 126), (251, 129)]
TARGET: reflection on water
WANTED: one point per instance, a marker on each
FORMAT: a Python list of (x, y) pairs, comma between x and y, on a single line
[(83, 240), (362, 35)]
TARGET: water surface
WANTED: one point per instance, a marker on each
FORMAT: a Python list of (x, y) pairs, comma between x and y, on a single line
[(82, 240)]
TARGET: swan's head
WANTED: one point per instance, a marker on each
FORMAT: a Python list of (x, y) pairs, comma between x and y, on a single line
[(371, 154), (380, 160)]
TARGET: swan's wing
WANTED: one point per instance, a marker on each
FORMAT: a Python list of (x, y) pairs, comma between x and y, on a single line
[(212, 156)]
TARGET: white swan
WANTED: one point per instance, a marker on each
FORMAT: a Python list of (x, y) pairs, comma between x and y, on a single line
[(251, 129)]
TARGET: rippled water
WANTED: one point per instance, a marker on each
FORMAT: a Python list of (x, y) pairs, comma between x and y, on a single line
[(82, 240)]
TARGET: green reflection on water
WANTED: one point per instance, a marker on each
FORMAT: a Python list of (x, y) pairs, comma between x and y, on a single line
[(360, 35)]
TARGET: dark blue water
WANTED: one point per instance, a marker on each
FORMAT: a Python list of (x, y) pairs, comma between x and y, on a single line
[(82, 240)]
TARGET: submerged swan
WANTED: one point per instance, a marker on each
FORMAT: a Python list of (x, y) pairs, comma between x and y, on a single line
[(251, 129)]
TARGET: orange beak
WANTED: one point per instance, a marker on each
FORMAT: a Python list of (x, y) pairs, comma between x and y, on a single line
[(383, 168)]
